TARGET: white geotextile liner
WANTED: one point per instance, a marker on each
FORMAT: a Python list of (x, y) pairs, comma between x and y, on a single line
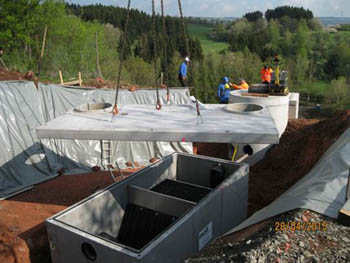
[(24, 161), (322, 190), (20, 114)]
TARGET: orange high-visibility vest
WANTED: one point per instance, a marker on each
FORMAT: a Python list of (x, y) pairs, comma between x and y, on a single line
[(265, 75), (244, 85)]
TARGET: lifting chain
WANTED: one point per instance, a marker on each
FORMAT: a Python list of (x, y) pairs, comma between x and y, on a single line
[(158, 104), (165, 52), (121, 59), (187, 48)]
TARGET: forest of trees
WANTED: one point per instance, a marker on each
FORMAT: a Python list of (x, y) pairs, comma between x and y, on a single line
[(309, 52)]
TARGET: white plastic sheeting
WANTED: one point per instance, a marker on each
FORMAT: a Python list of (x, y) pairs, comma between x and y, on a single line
[(322, 190), (24, 161), (20, 114)]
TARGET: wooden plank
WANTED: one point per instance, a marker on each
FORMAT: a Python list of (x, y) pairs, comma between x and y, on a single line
[(75, 82), (61, 78)]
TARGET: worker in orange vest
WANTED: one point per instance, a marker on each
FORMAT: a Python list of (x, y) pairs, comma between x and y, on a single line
[(265, 74), (243, 85)]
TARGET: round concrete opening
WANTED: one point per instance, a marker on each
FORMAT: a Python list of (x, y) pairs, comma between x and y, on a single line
[(89, 251), (93, 107), (243, 108), (35, 158)]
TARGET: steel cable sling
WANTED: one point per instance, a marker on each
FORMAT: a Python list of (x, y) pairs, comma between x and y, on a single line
[(158, 104), (187, 48), (165, 52), (121, 59)]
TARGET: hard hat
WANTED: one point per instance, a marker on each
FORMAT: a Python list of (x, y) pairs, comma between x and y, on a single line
[(225, 79), (187, 59)]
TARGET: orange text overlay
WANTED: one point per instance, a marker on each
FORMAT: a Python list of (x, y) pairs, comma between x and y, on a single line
[(300, 226)]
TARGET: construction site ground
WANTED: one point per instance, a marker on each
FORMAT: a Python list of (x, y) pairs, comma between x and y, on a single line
[(23, 235)]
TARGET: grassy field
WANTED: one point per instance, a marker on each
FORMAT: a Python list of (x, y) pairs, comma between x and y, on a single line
[(201, 32), (320, 87)]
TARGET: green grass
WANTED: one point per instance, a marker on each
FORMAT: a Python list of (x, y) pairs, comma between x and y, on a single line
[(320, 87), (201, 32)]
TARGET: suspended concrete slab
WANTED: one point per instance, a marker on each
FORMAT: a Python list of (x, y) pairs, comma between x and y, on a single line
[(218, 123)]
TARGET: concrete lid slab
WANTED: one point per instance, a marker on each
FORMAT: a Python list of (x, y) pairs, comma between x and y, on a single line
[(171, 123)]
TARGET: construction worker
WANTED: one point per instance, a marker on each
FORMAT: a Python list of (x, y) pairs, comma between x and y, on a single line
[(183, 72), (243, 85), (265, 74), (224, 90)]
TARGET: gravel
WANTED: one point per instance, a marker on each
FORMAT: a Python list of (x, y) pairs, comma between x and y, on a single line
[(327, 242)]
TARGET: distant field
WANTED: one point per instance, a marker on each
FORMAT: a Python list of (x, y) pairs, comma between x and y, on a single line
[(320, 87), (201, 32)]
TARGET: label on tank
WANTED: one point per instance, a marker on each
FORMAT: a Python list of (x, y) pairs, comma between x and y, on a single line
[(205, 235)]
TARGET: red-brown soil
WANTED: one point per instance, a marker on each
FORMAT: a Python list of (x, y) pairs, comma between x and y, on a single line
[(217, 150), (300, 148), (10, 75), (12, 248)]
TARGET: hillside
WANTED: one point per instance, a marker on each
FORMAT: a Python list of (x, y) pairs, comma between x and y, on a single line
[(201, 32)]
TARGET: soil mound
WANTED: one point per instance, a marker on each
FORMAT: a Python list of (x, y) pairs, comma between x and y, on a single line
[(12, 248), (301, 146), (10, 75)]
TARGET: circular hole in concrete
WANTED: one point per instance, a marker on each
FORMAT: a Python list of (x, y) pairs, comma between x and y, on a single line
[(243, 108), (88, 251), (93, 107), (35, 158), (247, 149)]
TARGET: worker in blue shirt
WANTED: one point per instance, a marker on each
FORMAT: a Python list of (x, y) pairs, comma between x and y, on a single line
[(183, 72), (224, 90)]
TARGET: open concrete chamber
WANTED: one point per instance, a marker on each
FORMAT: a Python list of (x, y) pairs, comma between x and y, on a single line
[(162, 213)]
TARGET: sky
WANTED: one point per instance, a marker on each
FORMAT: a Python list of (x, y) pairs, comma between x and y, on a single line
[(230, 8)]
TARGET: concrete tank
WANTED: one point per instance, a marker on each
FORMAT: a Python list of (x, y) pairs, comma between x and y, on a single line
[(278, 107), (161, 214)]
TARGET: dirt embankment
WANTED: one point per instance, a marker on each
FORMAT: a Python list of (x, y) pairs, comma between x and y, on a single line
[(300, 148), (10, 75)]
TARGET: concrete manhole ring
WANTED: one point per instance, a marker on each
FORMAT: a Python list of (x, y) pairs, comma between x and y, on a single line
[(88, 107), (244, 108)]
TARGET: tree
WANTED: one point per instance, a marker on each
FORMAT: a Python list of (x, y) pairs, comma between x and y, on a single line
[(239, 36), (339, 60), (286, 44), (273, 38), (339, 91), (301, 40), (253, 16), (294, 12)]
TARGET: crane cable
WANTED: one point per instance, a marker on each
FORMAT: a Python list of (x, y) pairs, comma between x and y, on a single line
[(165, 52), (121, 59), (158, 104), (187, 48)]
